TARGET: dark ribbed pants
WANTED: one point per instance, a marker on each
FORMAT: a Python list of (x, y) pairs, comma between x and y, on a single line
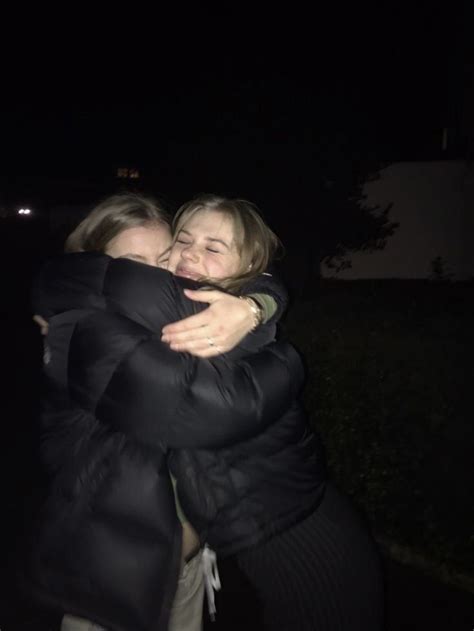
[(321, 575)]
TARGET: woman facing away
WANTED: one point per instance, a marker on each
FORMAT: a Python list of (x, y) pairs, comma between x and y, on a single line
[(250, 474), (76, 444)]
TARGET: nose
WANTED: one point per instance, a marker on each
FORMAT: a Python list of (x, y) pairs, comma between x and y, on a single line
[(190, 252)]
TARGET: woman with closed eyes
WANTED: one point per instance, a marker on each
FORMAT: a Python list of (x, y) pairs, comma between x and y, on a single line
[(142, 439)]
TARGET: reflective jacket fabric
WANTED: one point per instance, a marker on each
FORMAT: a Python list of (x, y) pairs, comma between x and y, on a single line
[(106, 544)]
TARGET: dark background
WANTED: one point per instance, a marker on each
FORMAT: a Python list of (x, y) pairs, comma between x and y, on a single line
[(246, 103), (275, 106)]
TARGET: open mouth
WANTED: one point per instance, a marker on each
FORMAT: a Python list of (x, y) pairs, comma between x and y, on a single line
[(184, 272)]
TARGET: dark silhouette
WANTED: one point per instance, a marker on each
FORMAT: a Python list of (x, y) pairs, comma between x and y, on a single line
[(333, 221)]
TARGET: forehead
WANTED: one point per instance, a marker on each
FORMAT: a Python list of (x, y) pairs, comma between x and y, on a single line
[(143, 237), (210, 223)]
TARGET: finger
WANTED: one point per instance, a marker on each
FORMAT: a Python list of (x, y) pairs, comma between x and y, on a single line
[(190, 323), (194, 335), (40, 320), (204, 295), (42, 323)]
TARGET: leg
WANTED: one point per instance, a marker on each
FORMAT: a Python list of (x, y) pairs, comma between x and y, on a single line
[(322, 574), (186, 613), (73, 623)]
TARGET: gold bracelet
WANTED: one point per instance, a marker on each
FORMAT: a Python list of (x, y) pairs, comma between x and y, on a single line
[(256, 309)]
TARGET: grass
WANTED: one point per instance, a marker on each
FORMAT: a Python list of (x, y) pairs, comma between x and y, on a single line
[(389, 372)]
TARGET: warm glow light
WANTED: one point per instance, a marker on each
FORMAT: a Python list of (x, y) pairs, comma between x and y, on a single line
[(24, 211), (125, 172)]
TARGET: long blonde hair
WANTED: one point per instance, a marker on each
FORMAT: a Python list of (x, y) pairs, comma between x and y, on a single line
[(111, 217), (256, 244)]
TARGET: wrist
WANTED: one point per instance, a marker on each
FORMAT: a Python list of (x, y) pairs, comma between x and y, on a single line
[(256, 310)]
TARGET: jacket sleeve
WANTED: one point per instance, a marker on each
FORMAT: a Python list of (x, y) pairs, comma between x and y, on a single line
[(270, 285), (170, 399)]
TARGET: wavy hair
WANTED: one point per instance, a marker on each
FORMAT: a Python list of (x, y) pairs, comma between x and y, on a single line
[(111, 217), (256, 243)]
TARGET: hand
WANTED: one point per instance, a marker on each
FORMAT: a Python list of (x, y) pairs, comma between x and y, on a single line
[(43, 325), (216, 330)]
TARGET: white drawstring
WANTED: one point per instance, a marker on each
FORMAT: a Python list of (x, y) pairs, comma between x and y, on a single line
[(211, 578)]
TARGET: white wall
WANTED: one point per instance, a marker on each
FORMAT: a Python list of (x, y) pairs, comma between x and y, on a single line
[(434, 205)]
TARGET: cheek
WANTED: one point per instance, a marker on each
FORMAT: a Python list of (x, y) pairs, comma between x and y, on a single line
[(210, 267), (173, 259), (235, 266), (229, 268)]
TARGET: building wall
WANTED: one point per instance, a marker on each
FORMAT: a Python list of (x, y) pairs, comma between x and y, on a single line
[(434, 204)]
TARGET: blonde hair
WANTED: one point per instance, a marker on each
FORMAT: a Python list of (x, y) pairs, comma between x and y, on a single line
[(111, 217), (256, 244)]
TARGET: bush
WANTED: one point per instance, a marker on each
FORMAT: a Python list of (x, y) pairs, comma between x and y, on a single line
[(389, 367)]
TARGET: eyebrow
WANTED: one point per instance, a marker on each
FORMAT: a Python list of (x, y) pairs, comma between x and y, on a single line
[(212, 239)]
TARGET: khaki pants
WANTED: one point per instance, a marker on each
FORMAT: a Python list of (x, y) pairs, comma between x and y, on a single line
[(73, 623), (187, 609)]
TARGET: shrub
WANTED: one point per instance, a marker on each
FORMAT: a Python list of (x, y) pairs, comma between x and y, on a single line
[(389, 367)]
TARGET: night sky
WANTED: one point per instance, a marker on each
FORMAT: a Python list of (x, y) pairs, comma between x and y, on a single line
[(239, 104)]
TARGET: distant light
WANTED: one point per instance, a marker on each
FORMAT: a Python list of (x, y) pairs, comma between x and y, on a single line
[(24, 211), (128, 173)]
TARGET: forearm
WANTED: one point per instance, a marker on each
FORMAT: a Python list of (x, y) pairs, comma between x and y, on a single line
[(176, 400)]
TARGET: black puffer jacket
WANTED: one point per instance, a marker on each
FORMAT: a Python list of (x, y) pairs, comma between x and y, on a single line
[(107, 543), (242, 494)]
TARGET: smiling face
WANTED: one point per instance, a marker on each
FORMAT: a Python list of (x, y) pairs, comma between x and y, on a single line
[(205, 247), (147, 244)]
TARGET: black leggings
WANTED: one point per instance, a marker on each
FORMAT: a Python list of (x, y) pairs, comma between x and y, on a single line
[(323, 574)]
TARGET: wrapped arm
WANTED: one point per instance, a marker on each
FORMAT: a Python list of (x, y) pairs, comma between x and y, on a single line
[(228, 321), (169, 399), (270, 286)]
